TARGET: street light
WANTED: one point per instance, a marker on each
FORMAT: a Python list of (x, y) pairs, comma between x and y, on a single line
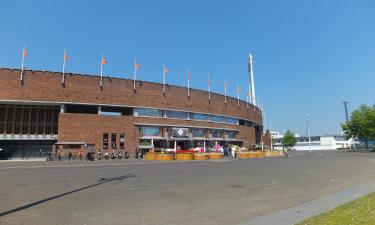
[(345, 102)]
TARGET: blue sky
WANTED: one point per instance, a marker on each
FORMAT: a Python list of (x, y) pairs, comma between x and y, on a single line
[(308, 55)]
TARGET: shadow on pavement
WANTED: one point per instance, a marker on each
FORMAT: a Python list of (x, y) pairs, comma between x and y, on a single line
[(99, 182)]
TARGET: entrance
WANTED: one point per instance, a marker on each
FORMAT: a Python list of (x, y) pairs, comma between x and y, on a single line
[(180, 144), (25, 149)]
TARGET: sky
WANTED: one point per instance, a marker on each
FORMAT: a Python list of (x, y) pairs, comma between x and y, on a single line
[(308, 55)]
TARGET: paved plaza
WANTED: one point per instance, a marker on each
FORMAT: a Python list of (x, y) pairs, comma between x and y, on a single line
[(192, 192)]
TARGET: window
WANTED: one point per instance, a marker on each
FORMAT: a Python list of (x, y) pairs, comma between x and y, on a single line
[(87, 109), (148, 112), (198, 133), (150, 131), (91, 147), (198, 116), (215, 118), (176, 114), (231, 134), (115, 111), (231, 120), (113, 140), (105, 140), (122, 140), (216, 133)]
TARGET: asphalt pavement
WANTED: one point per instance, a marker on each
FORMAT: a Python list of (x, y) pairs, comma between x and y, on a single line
[(191, 192)]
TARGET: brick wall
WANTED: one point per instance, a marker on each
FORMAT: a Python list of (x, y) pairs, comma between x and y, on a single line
[(89, 128), (46, 86)]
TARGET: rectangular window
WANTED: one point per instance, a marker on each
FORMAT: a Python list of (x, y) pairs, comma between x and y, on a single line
[(150, 131), (113, 140), (148, 112), (217, 133), (231, 120), (198, 116), (122, 140), (176, 114), (218, 119), (198, 133), (231, 134), (91, 147), (105, 140)]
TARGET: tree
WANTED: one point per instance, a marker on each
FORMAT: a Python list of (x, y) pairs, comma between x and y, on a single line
[(289, 140), (361, 124)]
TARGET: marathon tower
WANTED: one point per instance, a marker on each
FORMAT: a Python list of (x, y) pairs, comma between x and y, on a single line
[(251, 79)]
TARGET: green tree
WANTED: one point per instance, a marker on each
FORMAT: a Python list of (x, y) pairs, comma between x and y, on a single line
[(289, 140), (361, 124)]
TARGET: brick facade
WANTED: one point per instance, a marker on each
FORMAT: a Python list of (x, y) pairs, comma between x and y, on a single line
[(46, 87)]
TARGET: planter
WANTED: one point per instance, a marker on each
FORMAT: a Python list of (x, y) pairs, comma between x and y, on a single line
[(275, 153), (184, 156), (216, 155), (261, 154), (244, 155), (150, 156), (252, 154), (201, 156), (268, 153), (164, 157)]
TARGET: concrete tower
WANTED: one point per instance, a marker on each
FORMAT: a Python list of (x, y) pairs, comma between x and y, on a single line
[(251, 79)]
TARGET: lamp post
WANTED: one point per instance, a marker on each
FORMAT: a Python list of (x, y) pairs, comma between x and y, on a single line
[(345, 102)]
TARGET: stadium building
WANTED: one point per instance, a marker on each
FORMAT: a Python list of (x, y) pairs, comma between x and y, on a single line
[(40, 114)]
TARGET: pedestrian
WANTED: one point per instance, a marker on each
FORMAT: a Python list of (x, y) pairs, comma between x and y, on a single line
[(233, 151), (69, 155), (59, 156), (136, 153)]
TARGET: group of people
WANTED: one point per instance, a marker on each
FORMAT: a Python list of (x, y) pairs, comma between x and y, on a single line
[(229, 151), (90, 156)]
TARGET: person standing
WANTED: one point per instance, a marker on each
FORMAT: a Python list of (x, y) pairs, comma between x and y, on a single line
[(233, 151), (136, 153)]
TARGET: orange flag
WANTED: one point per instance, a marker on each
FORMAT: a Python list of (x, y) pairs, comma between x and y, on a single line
[(137, 66), (166, 71), (104, 61), (24, 52), (66, 57)]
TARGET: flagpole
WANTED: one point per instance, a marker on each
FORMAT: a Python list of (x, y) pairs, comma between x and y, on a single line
[(189, 83), (238, 97), (250, 100), (135, 72), (308, 131), (101, 71), (209, 87), (225, 91), (264, 119), (23, 59), (63, 77), (164, 79), (247, 100)]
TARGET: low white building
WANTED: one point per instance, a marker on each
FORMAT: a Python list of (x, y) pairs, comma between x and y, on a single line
[(326, 142)]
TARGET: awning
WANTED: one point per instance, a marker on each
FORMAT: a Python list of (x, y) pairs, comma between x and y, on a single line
[(145, 146)]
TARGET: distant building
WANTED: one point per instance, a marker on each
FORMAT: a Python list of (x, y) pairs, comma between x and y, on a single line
[(326, 142)]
